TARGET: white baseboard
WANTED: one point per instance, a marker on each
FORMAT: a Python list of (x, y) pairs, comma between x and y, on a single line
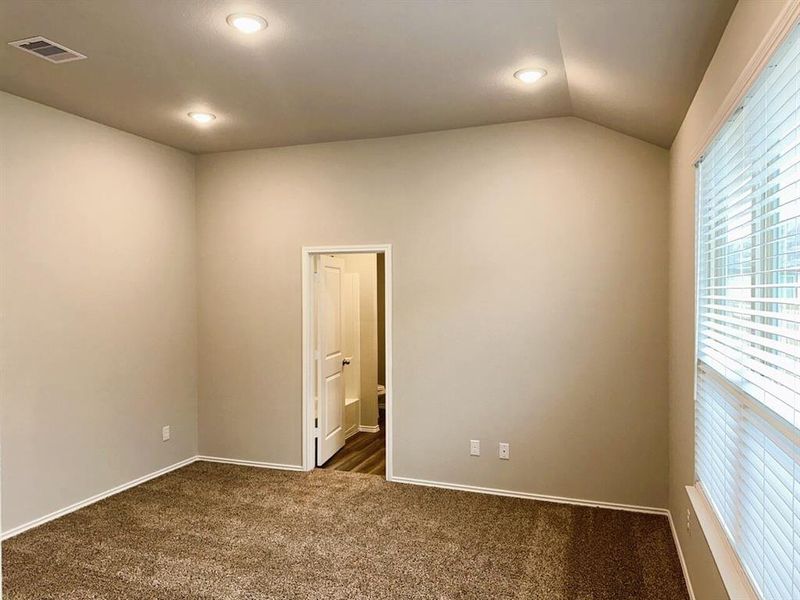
[(96, 498), (249, 463), (684, 568), (369, 428), (531, 496)]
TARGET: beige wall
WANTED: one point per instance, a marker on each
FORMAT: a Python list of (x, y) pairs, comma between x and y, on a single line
[(365, 266), (98, 305), (529, 300), (746, 29)]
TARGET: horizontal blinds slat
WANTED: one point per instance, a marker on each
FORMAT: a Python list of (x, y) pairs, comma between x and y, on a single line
[(782, 356), (762, 375), (743, 169), (783, 373), (755, 201), (752, 287), (753, 383), (768, 299), (752, 312), (772, 221), (789, 223), (737, 267), (743, 331), (753, 195)]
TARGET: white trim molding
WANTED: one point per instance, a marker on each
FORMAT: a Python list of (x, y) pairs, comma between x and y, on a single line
[(681, 558), (93, 499), (307, 420), (531, 496), (249, 463), (736, 581), (369, 428)]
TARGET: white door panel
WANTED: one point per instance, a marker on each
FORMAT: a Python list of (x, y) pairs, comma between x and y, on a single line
[(330, 374)]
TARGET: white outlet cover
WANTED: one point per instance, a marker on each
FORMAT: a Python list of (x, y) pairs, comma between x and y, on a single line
[(504, 450), (474, 447), (165, 433)]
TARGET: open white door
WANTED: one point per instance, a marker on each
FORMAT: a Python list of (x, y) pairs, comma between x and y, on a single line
[(330, 375)]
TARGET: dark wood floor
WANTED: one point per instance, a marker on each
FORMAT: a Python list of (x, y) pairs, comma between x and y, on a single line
[(362, 453)]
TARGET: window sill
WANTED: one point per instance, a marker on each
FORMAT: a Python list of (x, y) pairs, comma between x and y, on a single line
[(730, 569)]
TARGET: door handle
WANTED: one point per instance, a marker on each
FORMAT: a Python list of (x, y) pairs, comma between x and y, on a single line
[(345, 362)]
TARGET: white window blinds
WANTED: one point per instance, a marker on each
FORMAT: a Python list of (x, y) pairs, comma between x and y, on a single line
[(748, 327)]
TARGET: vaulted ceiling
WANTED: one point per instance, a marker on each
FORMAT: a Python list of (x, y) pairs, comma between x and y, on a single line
[(350, 69)]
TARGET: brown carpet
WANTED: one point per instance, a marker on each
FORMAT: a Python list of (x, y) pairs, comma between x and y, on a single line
[(220, 531)]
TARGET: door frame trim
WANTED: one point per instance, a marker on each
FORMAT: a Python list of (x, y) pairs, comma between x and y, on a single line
[(307, 419)]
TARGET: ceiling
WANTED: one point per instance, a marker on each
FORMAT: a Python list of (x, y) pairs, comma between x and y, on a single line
[(350, 69)]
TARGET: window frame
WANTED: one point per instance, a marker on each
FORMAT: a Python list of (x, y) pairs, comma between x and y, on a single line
[(736, 580)]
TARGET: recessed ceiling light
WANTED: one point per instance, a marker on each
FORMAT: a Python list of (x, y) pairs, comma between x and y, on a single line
[(202, 117), (530, 75), (247, 23)]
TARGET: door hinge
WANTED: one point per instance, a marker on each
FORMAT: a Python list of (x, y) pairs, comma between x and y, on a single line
[(316, 432)]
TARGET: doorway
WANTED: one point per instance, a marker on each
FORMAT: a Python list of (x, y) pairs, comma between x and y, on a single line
[(347, 362)]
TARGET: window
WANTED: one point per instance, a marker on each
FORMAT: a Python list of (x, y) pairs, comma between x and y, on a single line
[(748, 327)]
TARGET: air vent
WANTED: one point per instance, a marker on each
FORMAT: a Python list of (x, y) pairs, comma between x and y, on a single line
[(44, 48)]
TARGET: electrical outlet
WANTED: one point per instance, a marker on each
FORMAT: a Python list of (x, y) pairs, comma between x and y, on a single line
[(165, 433), (689, 520), (474, 447), (504, 450)]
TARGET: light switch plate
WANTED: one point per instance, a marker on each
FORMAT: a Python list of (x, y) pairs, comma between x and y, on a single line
[(165, 433)]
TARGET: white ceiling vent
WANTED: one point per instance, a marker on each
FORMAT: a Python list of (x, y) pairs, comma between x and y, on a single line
[(46, 49)]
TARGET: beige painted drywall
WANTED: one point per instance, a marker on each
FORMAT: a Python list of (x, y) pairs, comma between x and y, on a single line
[(746, 29), (366, 267), (98, 305), (529, 294)]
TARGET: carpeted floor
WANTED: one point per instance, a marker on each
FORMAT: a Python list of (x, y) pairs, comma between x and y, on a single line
[(219, 531)]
